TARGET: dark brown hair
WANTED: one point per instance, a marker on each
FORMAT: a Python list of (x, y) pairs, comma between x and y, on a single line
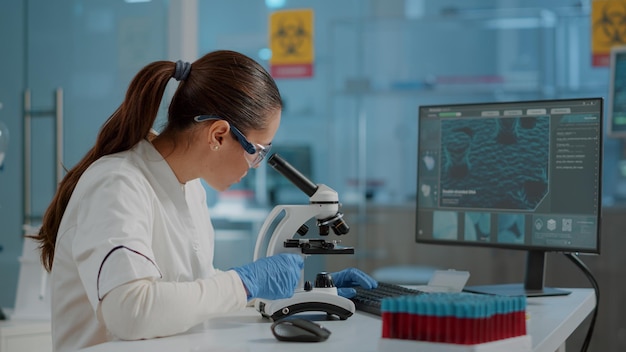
[(223, 83)]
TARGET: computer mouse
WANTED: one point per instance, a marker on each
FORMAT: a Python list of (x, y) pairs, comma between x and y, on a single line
[(299, 330)]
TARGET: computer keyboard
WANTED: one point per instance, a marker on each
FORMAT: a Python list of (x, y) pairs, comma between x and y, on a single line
[(369, 300)]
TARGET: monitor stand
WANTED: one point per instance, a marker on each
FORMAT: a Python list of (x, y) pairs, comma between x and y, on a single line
[(533, 283)]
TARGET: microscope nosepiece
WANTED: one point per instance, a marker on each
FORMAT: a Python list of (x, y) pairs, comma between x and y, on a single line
[(340, 227)]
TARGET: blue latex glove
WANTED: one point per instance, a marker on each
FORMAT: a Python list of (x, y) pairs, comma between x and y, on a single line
[(346, 279), (272, 277)]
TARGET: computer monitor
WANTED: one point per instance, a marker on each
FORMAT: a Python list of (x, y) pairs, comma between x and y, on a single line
[(517, 175), (616, 111)]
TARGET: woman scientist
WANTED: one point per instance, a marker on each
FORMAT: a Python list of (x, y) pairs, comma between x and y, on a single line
[(128, 237)]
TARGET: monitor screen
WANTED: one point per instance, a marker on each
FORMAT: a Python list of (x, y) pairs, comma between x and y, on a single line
[(617, 93), (519, 175)]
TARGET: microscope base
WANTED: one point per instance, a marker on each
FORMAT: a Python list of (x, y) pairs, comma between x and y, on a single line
[(306, 301)]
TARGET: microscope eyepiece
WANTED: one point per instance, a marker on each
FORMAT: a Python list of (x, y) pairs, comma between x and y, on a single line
[(292, 174)]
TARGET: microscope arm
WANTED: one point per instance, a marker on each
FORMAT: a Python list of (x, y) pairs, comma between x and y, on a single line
[(287, 227), (294, 217), (324, 203)]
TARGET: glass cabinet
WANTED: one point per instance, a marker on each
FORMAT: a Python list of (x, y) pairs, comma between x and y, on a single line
[(383, 69)]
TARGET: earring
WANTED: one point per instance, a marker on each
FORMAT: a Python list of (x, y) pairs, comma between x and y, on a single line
[(216, 147)]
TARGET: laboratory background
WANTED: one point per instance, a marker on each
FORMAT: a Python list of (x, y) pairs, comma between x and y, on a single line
[(351, 125)]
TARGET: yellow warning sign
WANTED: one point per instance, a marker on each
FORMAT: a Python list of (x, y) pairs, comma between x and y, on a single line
[(608, 28), (291, 43)]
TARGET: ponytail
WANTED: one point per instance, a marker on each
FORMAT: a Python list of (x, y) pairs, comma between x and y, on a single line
[(128, 125)]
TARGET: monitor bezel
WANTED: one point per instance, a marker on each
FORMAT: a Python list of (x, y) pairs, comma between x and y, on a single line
[(615, 51), (522, 247)]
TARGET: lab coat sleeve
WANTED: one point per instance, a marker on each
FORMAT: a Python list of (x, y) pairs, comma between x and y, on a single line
[(123, 265), (115, 233), (150, 308)]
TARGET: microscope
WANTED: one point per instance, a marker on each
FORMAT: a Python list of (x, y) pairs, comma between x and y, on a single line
[(324, 207)]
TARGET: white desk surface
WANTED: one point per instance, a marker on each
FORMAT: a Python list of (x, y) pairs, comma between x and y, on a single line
[(552, 320)]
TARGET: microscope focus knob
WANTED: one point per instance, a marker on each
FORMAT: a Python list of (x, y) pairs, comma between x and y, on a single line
[(323, 280), (303, 230), (307, 286)]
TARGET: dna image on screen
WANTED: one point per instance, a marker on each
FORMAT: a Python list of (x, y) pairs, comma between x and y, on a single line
[(515, 150)]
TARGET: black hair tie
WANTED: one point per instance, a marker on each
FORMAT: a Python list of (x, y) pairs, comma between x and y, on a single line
[(182, 70)]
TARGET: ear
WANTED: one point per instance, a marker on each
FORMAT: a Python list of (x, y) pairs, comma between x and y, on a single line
[(217, 132)]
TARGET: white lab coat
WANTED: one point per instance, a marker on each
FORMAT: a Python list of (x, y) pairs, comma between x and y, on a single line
[(129, 218)]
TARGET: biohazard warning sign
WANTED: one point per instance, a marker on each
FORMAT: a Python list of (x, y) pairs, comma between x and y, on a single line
[(291, 43), (608, 26)]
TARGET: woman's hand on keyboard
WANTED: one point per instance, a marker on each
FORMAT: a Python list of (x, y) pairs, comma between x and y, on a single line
[(346, 279)]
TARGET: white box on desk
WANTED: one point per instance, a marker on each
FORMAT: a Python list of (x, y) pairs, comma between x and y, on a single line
[(513, 344)]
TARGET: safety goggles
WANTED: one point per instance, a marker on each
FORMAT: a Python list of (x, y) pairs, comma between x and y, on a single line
[(255, 153)]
